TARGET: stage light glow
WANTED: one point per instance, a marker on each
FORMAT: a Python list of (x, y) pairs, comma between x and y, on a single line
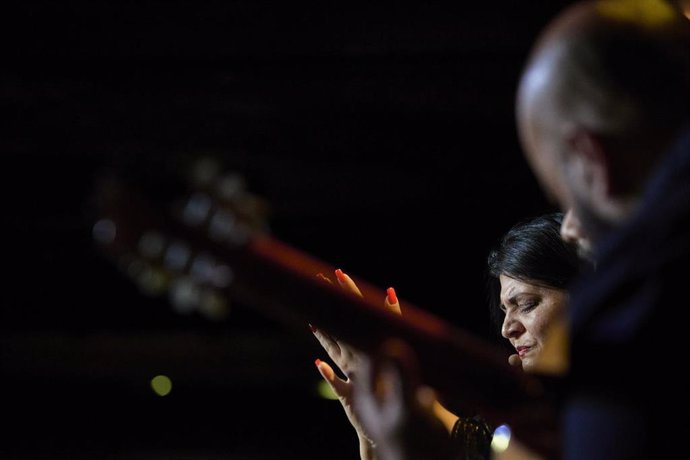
[(647, 13), (161, 385), (324, 390), (152, 244), (104, 231), (501, 439), (213, 305), (153, 281)]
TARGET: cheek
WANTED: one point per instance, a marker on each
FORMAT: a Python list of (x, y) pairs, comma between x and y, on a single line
[(538, 328), (542, 323)]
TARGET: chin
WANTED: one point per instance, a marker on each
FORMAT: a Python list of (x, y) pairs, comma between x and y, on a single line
[(528, 364)]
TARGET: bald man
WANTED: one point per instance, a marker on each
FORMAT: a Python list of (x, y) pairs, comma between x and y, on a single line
[(602, 113)]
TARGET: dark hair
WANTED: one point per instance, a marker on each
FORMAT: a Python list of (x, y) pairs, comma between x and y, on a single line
[(532, 251)]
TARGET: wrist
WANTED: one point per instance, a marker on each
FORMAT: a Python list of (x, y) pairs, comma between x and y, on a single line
[(366, 449)]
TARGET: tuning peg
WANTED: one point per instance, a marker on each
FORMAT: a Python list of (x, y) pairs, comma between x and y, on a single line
[(184, 294), (226, 227), (177, 256), (196, 209), (151, 245), (231, 186), (204, 172), (152, 280), (104, 231), (205, 270), (213, 305)]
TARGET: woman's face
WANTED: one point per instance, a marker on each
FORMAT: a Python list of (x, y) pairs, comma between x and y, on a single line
[(531, 312)]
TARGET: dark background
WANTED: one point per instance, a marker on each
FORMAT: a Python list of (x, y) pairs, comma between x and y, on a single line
[(382, 136)]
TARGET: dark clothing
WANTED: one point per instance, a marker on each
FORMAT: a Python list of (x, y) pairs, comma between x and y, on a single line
[(471, 438), (629, 330)]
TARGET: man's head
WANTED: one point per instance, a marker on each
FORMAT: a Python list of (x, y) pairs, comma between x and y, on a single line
[(600, 100)]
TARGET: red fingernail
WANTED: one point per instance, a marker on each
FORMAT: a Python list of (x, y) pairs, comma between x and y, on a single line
[(317, 362), (392, 298), (313, 329), (340, 275)]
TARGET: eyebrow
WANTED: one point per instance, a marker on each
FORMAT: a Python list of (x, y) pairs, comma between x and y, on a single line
[(512, 300)]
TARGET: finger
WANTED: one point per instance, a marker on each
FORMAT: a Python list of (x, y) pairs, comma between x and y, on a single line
[(397, 363), (329, 344), (426, 398), (385, 391), (391, 301), (391, 390), (345, 281), (390, 381), (322, 277), (365, 399), (339, 386)]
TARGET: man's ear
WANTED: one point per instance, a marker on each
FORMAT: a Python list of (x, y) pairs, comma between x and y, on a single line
[(590, 161)]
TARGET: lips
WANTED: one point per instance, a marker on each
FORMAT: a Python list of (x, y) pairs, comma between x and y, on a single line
[(522, 350)]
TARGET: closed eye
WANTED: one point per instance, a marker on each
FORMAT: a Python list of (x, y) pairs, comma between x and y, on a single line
[(528, 306)]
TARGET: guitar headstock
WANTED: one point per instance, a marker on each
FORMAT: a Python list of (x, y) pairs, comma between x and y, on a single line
[(165, 235), (205, 240)]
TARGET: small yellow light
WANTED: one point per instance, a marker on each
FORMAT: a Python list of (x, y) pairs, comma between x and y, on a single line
[(161, 385), (647, 13), (324, 390)]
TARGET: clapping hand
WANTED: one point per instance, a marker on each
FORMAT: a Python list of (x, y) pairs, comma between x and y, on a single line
[(348, 361)]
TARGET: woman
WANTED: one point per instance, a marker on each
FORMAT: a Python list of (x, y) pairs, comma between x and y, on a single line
[(528, 273)]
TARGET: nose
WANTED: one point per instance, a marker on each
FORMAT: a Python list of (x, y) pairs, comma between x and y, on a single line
[(511, 327), (571, 230)]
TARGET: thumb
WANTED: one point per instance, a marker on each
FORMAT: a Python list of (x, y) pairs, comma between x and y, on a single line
[(347, 282), (338, 385)]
